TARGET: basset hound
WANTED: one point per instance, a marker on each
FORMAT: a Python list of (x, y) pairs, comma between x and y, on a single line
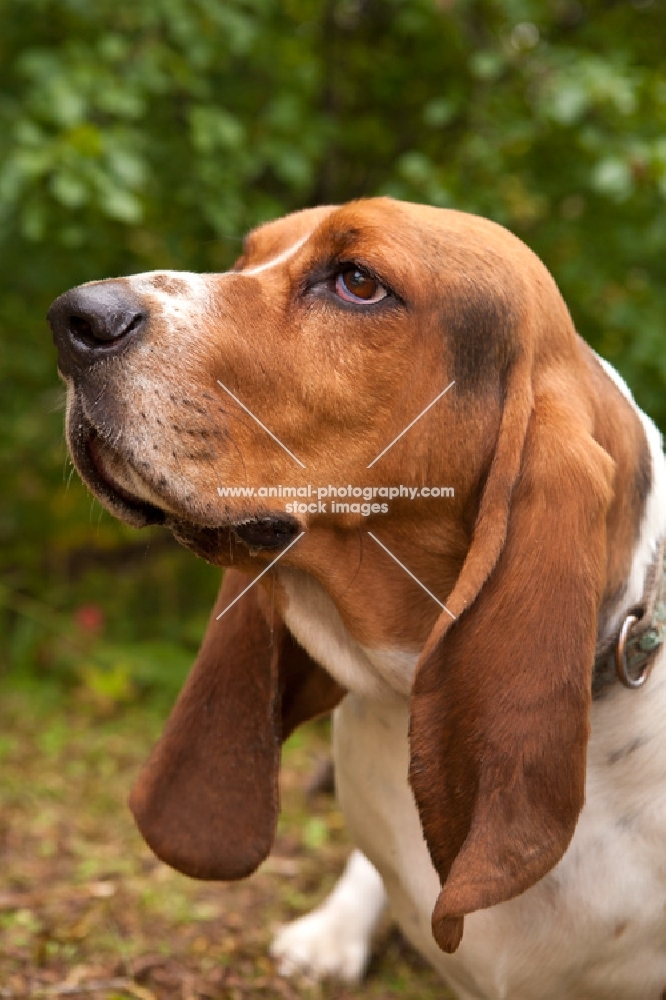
[(505, 790)]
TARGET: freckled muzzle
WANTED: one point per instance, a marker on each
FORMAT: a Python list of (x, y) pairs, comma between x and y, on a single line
[(90, 324), (95, 321), (125, 459)]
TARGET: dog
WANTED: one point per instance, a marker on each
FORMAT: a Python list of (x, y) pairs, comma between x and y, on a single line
[(493, 655)]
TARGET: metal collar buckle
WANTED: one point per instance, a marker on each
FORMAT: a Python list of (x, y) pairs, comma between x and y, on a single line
[(621, 665)]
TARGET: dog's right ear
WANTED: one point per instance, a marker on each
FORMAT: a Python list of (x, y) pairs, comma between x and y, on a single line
[(207, 800), (501, 699)]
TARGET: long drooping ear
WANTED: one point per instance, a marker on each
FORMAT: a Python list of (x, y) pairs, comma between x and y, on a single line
[(499, 715), (207, 800)]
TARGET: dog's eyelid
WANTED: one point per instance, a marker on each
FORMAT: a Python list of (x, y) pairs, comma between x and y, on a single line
[(323, 274)]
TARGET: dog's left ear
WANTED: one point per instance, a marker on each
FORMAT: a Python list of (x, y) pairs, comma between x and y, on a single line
[(207, 800), (499, 714)]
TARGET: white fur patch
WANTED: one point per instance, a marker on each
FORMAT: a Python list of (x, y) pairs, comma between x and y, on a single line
[(653, 525), (335, 939), (181, 308)]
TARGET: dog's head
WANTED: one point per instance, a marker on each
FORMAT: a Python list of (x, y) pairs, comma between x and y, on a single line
[(335, 330)]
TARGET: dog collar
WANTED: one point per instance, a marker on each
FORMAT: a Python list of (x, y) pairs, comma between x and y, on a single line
[(628, 654)]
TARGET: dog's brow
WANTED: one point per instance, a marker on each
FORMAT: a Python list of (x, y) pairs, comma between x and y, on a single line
[(285, 255)]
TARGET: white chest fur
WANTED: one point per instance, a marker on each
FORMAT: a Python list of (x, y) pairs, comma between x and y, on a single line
[(595, 927), (597, 922)]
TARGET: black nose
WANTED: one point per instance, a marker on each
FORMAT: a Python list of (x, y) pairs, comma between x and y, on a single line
[(94, 321)]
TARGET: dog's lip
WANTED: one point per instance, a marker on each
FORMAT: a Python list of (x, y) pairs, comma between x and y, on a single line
[(206, 542), (109, 474), (87, 455), (266, 535), (96, 449)]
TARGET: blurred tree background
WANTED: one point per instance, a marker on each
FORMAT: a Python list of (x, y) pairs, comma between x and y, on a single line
[(153, 134)]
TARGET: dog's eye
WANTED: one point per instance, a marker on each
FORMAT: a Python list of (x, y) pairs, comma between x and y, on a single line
[(356, 285)]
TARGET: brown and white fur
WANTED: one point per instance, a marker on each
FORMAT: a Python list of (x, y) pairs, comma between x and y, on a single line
[(515, 827)]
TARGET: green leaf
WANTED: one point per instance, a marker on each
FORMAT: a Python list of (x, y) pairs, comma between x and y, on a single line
[(68, 189), (569, 100), (439, 112), (120, 203), (612, 177), (486, 65), (127, 165), (214, 128)]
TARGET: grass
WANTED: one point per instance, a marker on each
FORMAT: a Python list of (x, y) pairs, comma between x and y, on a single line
[(87, 911)]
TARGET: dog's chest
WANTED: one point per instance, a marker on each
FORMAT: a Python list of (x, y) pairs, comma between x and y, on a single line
[(593, 929)]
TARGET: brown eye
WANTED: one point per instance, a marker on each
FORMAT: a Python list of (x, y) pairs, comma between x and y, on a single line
[(356, 285)]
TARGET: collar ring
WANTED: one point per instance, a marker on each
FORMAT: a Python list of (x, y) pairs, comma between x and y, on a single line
[(630, 681)]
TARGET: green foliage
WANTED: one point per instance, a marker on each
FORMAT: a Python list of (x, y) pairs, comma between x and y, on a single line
[(153, 134)]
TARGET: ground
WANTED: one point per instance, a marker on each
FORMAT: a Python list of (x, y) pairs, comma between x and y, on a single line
[(87, 911)]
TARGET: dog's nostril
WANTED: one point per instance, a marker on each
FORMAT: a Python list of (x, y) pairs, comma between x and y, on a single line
[(95, 318), (81, 328), (96, 328), (134, 323), (105, 326)]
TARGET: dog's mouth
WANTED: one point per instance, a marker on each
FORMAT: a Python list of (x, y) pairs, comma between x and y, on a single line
[(130, 497), (119, 478), (113, 481)]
